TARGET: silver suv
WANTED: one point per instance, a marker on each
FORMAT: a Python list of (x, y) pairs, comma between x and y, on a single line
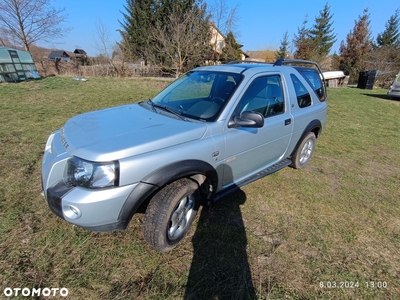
[(210, 132)]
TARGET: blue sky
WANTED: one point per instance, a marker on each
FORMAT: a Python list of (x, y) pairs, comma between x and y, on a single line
[(261, 25)]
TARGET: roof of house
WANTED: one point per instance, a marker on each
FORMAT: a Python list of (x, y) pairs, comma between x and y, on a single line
[(58, 53), (80, 51)]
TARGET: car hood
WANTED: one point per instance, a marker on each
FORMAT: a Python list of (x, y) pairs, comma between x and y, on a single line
[(124, 131)]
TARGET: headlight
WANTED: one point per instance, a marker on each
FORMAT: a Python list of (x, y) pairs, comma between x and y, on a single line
[(79, 172)]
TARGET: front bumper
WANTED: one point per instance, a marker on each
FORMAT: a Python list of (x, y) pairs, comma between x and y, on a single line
[(93, 209), (394, 93)]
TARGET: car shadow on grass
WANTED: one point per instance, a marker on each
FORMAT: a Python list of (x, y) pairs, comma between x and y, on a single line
[(382, 96), (220, 267)]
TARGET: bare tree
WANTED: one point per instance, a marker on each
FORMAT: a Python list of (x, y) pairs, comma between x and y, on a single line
[(109, 49), (2, 42), (29, 21), (225, 18), (182, 43), (102, 39), (385, 59)]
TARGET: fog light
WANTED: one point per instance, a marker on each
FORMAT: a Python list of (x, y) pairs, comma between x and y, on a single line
[(72, 212)]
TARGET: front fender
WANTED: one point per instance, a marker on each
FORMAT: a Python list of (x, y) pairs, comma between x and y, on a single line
[(185, 168), (150, 184)]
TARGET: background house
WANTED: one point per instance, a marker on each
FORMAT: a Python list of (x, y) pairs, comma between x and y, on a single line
[(218, 43), (217, 40), (58, 55), (81, 56), (80, 52)]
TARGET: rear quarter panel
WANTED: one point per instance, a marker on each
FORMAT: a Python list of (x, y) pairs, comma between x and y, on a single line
[(304, 116)]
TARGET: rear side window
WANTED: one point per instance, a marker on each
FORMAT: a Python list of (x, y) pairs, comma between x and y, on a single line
[(315, 82), (303, 96)]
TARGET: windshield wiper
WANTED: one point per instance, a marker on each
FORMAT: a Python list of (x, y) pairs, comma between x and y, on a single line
[(166, 108)]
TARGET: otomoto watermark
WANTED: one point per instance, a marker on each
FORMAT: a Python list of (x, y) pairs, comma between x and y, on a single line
[(35, 292)]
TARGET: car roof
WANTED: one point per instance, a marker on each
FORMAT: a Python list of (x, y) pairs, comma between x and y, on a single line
[(238, 68), (242, 66)]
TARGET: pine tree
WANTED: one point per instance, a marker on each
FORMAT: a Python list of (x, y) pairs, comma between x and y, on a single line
[(166, 7), (231, 50), (139, 19), (302, 42), (358, 44), (283, 49), (391, 35), (321, 35)]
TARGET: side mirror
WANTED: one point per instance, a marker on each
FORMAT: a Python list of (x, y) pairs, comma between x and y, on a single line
[(251, 119)]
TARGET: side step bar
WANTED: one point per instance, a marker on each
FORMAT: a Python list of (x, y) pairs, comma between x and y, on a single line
[(265, 172)]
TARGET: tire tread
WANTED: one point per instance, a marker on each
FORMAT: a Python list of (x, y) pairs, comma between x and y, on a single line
[(158, 210)]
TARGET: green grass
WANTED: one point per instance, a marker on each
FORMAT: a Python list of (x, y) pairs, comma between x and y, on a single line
[(335, 221)]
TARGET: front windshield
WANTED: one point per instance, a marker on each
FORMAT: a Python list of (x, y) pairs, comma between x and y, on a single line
[(199, 95)]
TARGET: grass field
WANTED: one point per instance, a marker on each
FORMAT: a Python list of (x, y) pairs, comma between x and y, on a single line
[(329, 231)]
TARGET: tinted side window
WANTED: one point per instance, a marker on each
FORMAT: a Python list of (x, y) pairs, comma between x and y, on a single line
[(303, 97), (265, 96), (315, 81)]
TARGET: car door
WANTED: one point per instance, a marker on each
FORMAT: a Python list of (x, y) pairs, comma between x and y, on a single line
[(249, 150)]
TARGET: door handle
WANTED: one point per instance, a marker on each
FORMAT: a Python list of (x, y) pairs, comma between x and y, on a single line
[(288, 122)]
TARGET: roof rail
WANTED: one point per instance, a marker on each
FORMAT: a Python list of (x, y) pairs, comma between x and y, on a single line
[(282, 61), (245, 62)]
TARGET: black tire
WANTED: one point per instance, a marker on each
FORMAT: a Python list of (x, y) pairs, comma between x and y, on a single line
[(170, 213), (304, 152)]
